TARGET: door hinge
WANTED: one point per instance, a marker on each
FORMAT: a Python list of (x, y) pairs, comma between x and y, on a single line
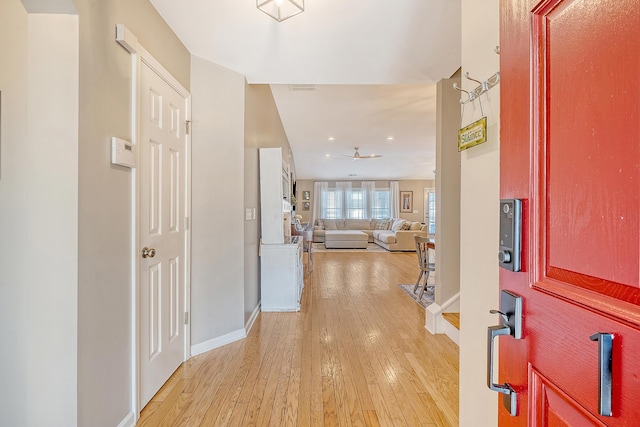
[(187, 125), (186, 223), (186, 317)]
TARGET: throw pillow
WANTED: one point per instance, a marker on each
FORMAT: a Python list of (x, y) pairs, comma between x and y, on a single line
[(320, 224), (330, 224), (397, 225), (415, 226), (382, 224), (406, 226)]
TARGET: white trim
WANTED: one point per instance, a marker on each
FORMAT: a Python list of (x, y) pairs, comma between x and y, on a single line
[(451, 331), (126, 39), (214, 343), (252, 319), (130, 43), (436, 324), (164, 74), (128, 421)]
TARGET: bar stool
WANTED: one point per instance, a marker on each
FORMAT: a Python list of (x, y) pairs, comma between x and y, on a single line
[(425, 249), (298, 229)]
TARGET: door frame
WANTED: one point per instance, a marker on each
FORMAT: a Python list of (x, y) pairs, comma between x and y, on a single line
[(140, 55)]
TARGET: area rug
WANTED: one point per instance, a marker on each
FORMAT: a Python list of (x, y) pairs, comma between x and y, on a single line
[(427, 298), (371, 247)]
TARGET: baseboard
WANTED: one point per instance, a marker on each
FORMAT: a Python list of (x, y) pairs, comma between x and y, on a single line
[(451, 331), (218, 342), (128, 421), (252, 319)]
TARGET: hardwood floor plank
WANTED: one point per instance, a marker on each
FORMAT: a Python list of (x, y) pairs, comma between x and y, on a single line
[(357, 354)]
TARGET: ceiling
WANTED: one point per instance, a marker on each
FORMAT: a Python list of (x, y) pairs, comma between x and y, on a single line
[(373, 65)]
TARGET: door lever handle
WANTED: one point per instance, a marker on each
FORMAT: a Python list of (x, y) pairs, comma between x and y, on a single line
[(510, 398), (605, 356)]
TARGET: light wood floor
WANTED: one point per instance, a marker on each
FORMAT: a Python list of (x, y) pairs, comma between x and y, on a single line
[(356, 355)]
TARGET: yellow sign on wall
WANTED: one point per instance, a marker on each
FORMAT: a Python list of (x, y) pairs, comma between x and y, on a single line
[(473, 134)]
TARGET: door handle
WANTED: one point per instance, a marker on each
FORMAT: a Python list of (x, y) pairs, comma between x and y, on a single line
[(510, 397), (148, 252), (605, 357), (510, 324)]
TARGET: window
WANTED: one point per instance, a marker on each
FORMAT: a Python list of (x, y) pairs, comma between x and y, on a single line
[(431, 201), (333, 205), (355, 203), (380, 207)]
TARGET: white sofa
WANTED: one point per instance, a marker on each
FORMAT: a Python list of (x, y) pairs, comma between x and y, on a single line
[(363, 225), (385, 233), (400, 236)]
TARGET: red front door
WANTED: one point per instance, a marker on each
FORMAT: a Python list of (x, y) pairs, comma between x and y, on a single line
[(570, 149)]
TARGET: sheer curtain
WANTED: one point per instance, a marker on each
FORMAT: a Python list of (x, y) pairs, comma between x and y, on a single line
[(319, 201), (369, 194), (394, 198), (343, 194)]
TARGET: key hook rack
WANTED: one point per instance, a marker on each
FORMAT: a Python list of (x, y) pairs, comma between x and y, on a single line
[(482, 86), (480, 89)]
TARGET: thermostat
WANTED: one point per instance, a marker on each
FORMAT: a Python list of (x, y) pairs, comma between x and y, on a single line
[(122, 153)]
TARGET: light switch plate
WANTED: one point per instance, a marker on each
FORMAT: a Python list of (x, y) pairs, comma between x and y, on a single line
[(247, 214)]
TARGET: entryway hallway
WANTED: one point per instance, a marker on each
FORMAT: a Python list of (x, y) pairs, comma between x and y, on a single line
[(356, 354)]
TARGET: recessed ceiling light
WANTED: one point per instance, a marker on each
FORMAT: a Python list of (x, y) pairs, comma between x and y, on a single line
[(390, 138), (327, 155), (331, 138), (353, 174)]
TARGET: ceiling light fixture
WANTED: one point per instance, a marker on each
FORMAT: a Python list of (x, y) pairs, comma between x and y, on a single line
[(281, 9), (331, 138), (390, 138)]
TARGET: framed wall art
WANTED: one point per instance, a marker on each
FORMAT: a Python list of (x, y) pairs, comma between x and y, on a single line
[(406, 201)]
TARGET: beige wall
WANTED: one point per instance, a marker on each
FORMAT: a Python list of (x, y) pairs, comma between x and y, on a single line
[(38, 216), (416, 186), (447, 192), (105, 268), (13, 211), (263, 129), (479, 215), (217, 275)]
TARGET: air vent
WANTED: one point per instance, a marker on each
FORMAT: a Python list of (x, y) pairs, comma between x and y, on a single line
[(303, 88)]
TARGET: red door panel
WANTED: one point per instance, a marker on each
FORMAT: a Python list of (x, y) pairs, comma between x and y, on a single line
[(553, 407), (570, 148)]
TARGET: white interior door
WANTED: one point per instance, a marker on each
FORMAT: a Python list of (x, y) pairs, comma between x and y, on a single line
[(162, 195)]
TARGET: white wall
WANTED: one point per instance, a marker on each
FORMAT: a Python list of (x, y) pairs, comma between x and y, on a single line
[(479, 215), (217, 275), (38, 217)]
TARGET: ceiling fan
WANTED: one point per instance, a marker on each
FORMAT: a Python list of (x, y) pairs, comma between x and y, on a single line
[(357, 155)]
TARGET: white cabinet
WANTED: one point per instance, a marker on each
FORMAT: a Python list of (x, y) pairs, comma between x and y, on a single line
[(281, 275), (275, 215)]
